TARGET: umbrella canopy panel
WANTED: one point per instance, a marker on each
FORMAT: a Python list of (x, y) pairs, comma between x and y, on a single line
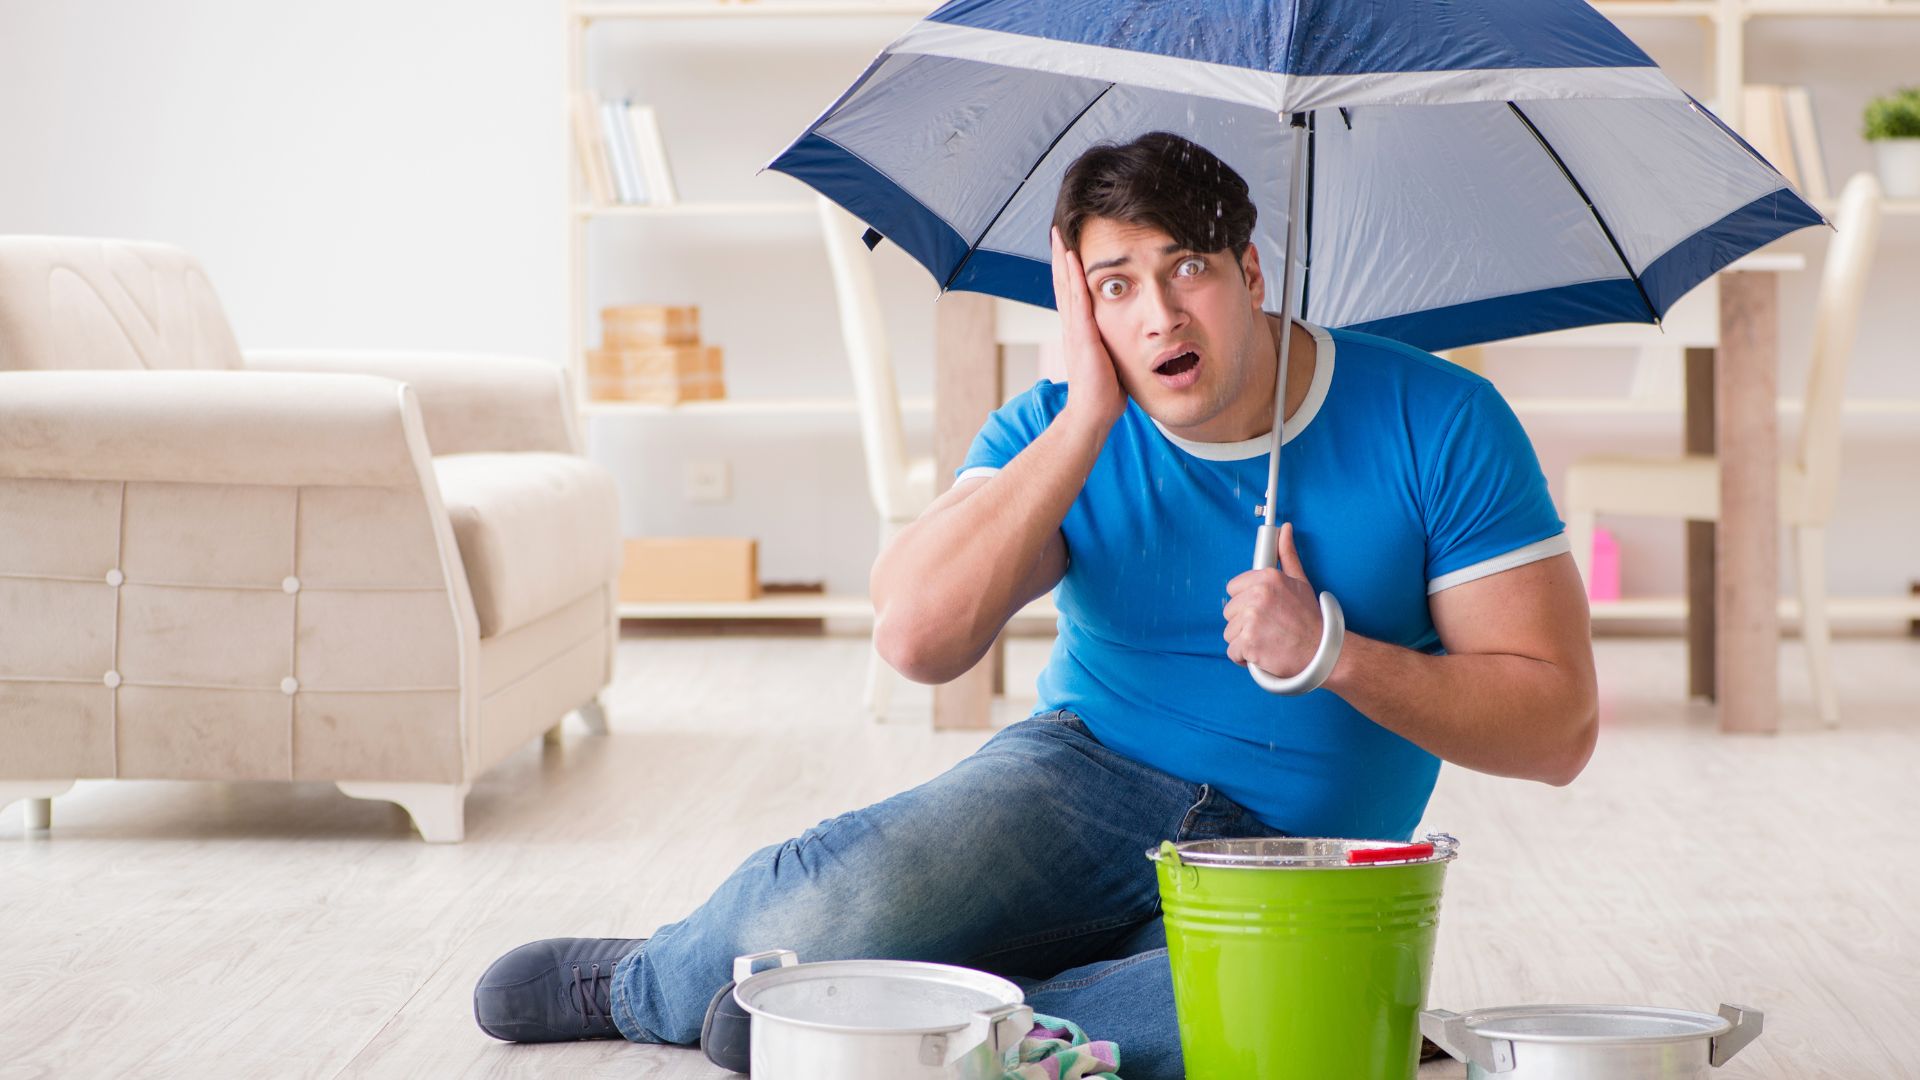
[(1447, 205)]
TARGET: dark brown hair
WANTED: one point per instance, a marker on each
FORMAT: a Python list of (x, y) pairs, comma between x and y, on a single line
[(1163, 181)]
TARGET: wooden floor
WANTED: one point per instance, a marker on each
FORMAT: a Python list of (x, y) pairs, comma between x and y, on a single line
[(210, 930)]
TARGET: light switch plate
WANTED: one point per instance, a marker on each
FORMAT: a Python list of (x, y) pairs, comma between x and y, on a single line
[(708, 482)]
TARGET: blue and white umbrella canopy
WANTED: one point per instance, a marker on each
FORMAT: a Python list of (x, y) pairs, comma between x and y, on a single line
[(1476, 169)]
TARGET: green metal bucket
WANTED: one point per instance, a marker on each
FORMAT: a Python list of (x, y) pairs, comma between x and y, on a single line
[(1301, 959)]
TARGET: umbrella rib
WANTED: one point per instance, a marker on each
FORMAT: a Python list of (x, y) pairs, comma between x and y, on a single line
[(1591, 209), (1306, 268), (1018, 188)]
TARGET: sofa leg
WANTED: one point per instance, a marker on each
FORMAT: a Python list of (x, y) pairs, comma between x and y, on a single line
[(594, 715), (552, 736), (438, 810), (39, 798)]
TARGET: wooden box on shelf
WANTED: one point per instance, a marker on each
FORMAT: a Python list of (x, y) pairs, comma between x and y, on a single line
[(690, 568), (660, 374), (634, 325)]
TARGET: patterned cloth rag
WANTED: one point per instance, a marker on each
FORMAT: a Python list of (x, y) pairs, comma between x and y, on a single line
[(1058, 1049)]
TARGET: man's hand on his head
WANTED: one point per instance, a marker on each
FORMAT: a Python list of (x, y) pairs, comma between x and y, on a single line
[(1094, 392)]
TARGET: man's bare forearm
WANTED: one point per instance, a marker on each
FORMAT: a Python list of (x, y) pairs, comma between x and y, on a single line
[(1496, 713), (944, 588)]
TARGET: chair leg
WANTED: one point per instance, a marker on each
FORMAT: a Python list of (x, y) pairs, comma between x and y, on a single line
[(38, 795), (438, 810), (1580, 525), (1816, 632), (880, 677), (594, 715)]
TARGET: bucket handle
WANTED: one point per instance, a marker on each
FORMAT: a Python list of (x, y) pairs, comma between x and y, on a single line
[(743, 965), (1746, 1028), (1183, 875), (998, 1030), (1450, 1032)]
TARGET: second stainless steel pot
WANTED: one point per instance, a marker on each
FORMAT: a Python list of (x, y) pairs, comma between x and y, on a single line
[(1591, 1042)]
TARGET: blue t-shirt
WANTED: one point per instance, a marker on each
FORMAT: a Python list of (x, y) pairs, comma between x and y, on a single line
[(1403, 475)]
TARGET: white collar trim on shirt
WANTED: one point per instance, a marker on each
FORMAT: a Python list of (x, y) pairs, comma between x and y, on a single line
[(1262, 444)]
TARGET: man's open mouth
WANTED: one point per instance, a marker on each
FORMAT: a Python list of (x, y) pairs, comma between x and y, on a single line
[(1178, 365), (1178, 372)]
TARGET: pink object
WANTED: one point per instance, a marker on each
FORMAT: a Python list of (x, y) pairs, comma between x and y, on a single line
[(1603, 582)]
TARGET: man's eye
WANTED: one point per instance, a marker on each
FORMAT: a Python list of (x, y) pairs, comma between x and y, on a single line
[(1190, 267), (1113, 288)]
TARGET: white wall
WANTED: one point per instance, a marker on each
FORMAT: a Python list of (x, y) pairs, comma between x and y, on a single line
[(395, 174)]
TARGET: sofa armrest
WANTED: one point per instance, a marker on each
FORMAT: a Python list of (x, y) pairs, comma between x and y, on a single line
[(471, 403), (214, 427)]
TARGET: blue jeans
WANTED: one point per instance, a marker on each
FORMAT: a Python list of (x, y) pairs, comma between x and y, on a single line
[(1027, 859)]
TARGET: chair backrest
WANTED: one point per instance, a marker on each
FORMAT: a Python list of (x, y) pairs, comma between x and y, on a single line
[(864, 330), (1836, 323), (72, 302)]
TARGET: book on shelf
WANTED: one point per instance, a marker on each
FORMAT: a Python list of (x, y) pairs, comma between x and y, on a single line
[(1806, 143), (622, 155), (626, 168), (644, 129), (1778, 123), (595, 170)]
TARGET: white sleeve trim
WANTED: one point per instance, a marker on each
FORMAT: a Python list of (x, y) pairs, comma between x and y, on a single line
[(1544, 549), (978, 472)]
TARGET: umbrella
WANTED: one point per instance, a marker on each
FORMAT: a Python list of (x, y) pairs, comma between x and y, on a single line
[(1484, 168)]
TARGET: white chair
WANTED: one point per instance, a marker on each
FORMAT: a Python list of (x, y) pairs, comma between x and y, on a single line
[(1688, 487), (901, 486)]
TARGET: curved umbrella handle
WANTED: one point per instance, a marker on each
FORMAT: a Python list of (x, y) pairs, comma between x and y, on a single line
[(1333, 629)]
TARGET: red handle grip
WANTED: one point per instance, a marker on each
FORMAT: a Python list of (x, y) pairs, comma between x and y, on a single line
[(1390, 854)]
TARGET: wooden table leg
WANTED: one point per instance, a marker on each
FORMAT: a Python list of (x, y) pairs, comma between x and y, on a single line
[(1700, 534), (966, 387), (1746, 382)]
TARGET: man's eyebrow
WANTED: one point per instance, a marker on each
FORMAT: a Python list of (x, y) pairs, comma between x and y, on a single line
[(1170, 249)]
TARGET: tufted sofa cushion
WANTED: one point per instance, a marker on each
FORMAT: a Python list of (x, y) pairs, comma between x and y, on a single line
[(536, 531)]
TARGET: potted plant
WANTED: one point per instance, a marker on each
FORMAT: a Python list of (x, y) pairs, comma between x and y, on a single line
[(1893, 127)]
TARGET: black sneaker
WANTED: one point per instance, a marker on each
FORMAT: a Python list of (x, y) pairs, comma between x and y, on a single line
[(726, 1033), (555, 990)]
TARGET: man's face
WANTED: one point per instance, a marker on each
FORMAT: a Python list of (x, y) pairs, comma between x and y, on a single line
[(1182, 326)]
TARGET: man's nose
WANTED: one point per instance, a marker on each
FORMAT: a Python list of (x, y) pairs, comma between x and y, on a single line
[(1164, 313)]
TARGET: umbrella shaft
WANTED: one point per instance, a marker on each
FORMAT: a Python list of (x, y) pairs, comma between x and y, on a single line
[(1298, 125)]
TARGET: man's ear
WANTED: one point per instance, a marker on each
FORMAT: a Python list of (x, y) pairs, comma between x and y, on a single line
[(1256, 281)]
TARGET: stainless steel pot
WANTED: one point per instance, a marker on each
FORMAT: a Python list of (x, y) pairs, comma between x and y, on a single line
[(1592, 1042), (878, 1019)]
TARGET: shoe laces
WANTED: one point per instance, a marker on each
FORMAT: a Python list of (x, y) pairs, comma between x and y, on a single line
[(595, 990)]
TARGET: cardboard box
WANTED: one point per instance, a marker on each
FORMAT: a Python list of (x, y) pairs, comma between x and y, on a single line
[(626, 326), (665, 374), (690, 568)]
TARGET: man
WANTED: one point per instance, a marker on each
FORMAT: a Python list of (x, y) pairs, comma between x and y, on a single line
[(1410, 492)]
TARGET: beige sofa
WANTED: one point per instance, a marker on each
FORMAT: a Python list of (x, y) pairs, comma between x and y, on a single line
[(386, 572)]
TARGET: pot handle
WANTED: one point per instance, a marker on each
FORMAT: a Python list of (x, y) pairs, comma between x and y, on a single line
[(1746, 1028), (1450, 1032), (1002, 1028), (994, 1031), (743, 965)]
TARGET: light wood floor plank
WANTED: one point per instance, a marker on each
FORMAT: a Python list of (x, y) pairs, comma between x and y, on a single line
[(215, 930)]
